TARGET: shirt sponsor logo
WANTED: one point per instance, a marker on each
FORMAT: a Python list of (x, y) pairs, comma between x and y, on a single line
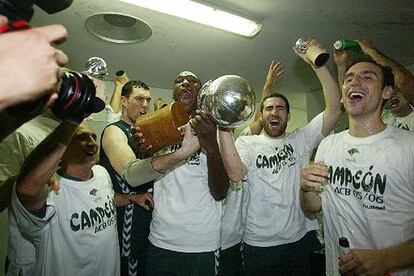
[(351, 153), (93, 192)]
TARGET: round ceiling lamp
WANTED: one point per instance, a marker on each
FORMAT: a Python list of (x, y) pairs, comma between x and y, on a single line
[(118, 28)]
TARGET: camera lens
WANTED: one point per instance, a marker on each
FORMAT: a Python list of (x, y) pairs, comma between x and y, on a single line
[(76, 97)]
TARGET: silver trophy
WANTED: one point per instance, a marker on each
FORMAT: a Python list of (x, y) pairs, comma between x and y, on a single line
[(229, 99), (96, 67)]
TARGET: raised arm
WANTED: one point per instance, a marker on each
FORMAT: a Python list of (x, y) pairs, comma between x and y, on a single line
[(206, 130), (122, 157), (40, 165), (235, 168), (330, 88), (115, 102), (404, 80), (311, 178), (340, 59), (274, 73), (140, 171)]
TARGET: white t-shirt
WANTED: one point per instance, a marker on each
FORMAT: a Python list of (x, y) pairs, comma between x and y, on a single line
[(232, 229), (274, 215), (78, 235), (111, 116), (186, 217), (233, 210), (369, 198), (13, 151), (406, 122)]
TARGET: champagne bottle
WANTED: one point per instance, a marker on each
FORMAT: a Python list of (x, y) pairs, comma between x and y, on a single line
[(344, 244), (346, 44)]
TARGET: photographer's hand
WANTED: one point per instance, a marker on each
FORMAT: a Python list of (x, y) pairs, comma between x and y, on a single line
[(29, 63), (3, 20)]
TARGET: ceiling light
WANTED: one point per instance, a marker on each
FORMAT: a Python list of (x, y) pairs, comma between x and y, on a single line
[(118, 28), (203, 14)]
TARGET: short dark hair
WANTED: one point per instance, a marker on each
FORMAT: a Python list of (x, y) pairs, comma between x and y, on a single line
[(130, 85), (194, 75), (388, 76), (275, 95)]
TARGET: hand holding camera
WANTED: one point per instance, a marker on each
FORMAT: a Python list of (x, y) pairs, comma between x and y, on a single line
[(29, 65)]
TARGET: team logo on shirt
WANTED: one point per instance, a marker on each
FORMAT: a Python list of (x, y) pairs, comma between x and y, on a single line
[(367, 186), (284, 156), (351, 153)]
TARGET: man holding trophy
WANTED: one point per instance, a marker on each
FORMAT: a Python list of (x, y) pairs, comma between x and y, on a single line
[(185, 227), (278, 238), (190, 181)]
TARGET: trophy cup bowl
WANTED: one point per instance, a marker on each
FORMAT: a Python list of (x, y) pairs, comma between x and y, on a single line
[(96, 67), (229, 99)]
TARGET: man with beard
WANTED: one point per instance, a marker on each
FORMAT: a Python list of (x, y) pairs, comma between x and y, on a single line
[(74, 228), (278, 238), (369, 198)]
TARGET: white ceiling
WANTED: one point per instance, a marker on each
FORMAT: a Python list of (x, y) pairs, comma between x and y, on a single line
[(178, 45)]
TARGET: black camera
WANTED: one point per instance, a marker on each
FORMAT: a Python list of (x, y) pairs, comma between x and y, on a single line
[(23, 9), (77, 98), (77, 91)]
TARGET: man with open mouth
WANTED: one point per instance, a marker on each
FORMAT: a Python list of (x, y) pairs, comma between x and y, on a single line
[(190, 181), (278, 238), (369, 169), (73, 228), (399, 112), (186, 224)]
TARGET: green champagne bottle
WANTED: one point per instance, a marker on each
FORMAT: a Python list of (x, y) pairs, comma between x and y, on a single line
[(346, 44)]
